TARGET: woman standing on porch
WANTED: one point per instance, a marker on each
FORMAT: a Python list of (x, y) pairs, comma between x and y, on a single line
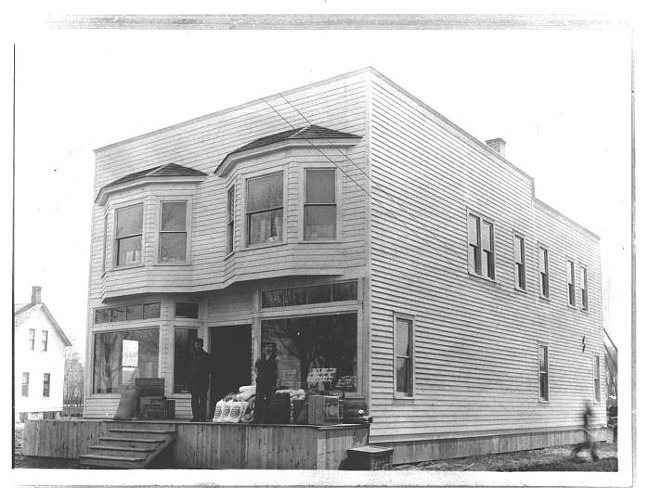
[(266, 368)]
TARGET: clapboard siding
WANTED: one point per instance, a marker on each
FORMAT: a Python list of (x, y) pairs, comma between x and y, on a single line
[(201, 144), (475, 339)]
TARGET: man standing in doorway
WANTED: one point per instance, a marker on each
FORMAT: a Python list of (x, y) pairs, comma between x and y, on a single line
[(266, 368), (199, 381)]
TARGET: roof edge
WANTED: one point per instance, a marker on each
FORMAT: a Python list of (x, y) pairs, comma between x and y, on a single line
[(350, 74), (548, 208)]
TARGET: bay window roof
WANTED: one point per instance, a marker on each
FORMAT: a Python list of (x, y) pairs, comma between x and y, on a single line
[(157, 174), (286, 138)]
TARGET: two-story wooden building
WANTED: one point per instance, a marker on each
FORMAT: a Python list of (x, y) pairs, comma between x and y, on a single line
[(39, 344), (358, 229)]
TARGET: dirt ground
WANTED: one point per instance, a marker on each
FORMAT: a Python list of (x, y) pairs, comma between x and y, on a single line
[(549, 459)]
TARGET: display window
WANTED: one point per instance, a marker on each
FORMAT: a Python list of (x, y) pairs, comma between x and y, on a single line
[(122, 356), (315, 352)]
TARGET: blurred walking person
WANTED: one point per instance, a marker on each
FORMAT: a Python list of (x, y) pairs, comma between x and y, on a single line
[(589, 443)]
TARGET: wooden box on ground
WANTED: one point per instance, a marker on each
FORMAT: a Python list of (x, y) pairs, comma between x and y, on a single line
[(322, 410), (370, 458)]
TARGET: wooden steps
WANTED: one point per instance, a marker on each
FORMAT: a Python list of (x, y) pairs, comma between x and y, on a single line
[(128, 447)]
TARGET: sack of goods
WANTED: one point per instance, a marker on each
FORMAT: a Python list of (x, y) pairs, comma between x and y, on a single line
[(246, 392), (218, 411), (237, 410)]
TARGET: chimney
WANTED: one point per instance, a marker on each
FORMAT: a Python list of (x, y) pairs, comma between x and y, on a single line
[(498, 145), (36, 294)]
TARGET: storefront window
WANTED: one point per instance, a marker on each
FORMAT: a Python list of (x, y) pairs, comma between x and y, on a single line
[(317, 352), (122, 356), (183, 343)]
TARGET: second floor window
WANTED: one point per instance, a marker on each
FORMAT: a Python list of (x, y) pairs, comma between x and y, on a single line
[(173, 232), (571, 282), (128, 235), (320, 204), (583, 288), (481, 246), (230, 237), (32, 338), (44, 340), (264, 209), (543, 273), (46, 385), (520, 263)]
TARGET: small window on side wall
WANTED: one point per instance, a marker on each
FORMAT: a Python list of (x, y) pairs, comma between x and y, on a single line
[(481, 246), (320, 205), (544, 289), (520, 263), (173, 232), (584, 294), (542, 352), (230, 230), (571, 282), (403, 344), (596, 373)]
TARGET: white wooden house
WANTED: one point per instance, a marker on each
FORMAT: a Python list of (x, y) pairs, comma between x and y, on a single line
[(358, 229), (39, 343)]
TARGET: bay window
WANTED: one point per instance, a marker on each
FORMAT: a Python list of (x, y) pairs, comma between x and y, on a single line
[(128, 235), (320, 204), (230, 237), (122, 356), (264, 209), (173, 232)]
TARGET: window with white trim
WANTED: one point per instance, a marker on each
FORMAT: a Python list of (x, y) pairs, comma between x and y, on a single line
[(105, 244), (403, 346), (571, 282), (128, 235), (544, 289), (44, 337), (32, 338), (481, 246), (25, 385), (542, 353), (173, 232), (596, 373), (584, 294), (320, 204), (230, 229), (265, 209), (520, 263), (46, 385)]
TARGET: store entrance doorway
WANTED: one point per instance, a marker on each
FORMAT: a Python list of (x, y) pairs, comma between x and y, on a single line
[(230, 348)]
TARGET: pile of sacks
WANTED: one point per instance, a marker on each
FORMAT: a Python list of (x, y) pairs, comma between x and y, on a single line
[(236, 407)]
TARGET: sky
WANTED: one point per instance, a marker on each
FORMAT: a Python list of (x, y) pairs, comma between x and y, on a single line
[(560, 100)]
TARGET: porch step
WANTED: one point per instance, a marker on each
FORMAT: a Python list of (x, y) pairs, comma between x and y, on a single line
[(128, 447)]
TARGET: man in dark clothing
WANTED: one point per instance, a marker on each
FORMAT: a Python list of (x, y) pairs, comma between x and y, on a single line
[(266, 368), (199, 381)]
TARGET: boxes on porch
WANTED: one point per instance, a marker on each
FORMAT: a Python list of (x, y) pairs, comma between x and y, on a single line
[(151, 387), (322, 409), (370, 458), (151, 408)]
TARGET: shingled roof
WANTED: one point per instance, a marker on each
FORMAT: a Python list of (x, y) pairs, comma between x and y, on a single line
[(162, 171), (302, 133)]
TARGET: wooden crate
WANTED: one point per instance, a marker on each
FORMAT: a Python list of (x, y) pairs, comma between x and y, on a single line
[(151, 408), (151, 387), (322, 410), (370, 458)]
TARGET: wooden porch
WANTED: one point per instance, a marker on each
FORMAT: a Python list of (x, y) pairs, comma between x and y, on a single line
[(207, 445)]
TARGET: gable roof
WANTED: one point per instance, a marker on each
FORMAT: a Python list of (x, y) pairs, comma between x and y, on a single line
[(20, 309), (302, 133)]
